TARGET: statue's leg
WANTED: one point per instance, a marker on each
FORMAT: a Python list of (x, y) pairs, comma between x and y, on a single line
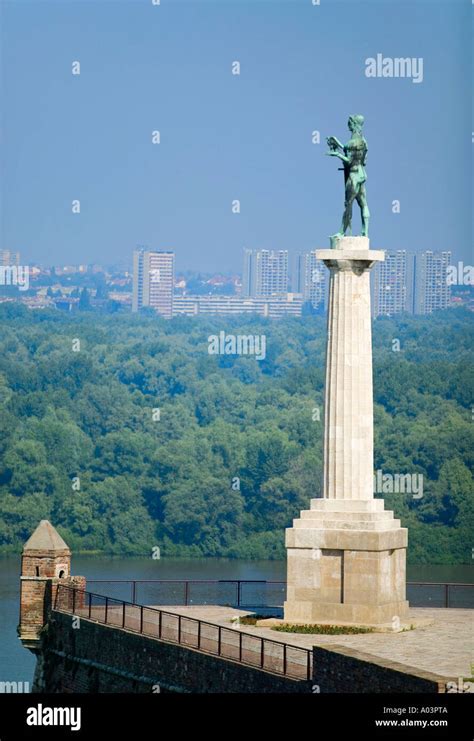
[(349, 200), (364, 210)]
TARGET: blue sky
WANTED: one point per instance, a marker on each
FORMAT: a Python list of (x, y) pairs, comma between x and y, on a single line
[(226, 137)]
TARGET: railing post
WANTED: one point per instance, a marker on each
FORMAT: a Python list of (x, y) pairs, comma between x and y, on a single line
[(106, 609), (90, 604), (159, 624), (308, 665), (199, 634), (186, 593), (141, 619), (179, 628), (240, 645), (134, 591), (284, 658), (262, 653), (73, 601), (123, 616), (219, 640), (446, 595)]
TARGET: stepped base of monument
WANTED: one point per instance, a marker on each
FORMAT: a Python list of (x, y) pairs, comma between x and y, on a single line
[(346, 564)]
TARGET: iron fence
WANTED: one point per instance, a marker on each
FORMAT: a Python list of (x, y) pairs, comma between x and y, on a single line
[(255, 594), (228, 643)]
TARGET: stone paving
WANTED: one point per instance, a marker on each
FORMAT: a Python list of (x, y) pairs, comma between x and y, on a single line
[(445, 647)]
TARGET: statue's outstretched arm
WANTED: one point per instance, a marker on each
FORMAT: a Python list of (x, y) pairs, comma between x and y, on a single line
[(340, 155)]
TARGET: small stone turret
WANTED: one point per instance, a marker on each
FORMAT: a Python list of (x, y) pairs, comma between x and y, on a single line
[(45, 563)]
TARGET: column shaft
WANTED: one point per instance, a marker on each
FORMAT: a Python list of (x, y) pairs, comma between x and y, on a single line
[(348, 416)]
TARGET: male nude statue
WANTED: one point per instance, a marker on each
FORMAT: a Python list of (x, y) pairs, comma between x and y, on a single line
[(353, 156)]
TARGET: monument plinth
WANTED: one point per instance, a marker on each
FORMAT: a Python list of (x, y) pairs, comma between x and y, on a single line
[(346, 554)]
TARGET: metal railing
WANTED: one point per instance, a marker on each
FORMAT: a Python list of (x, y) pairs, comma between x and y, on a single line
[(228, 643), (233, 592), (257, 593), (444, 594)]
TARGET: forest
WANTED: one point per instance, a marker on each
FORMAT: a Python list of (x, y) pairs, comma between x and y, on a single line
[(128, 435)]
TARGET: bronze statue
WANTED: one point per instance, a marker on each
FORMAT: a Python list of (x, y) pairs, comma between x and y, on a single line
[(354, 156)]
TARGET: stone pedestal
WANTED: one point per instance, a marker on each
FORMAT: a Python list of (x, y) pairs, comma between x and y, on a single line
[(346, 554)]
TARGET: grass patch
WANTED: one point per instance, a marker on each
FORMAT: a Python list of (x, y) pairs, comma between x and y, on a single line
[(331, 630), (252, 619)]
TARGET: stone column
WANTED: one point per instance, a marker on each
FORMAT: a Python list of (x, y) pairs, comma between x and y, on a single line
[(348, 408), (346, 554)]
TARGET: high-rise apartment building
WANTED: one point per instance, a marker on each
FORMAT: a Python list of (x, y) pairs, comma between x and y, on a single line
[(265, 272), (8, 258), (432, 289), (415, 283), (248, 281), (153, 281), (310, 278), (393, 284)]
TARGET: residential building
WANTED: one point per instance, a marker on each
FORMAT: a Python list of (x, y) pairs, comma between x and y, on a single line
[(311, 279), (273, 307), (393, 284), (432, 289), (265, 273), (153, 281), (9, 258)]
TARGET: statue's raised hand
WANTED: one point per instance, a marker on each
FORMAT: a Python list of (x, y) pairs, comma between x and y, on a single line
[(333, 143)]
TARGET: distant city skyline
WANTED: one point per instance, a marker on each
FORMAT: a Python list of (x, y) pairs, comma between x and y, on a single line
[(165, 73), (402, 283)]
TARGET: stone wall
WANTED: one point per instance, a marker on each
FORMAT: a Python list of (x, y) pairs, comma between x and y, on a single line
[(96, 658), (37, 595), (99, 658), (342, 669), (46, 563)]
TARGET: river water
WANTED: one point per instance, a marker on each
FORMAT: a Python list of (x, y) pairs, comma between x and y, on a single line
[(17, 664)]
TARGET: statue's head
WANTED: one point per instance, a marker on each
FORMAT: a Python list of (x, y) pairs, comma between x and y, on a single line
[(355, 123)]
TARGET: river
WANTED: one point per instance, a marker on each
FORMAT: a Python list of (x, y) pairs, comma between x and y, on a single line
[(17, 664)]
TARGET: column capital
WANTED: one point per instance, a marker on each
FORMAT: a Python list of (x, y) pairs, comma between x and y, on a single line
[(349, 259), (350, 253)]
